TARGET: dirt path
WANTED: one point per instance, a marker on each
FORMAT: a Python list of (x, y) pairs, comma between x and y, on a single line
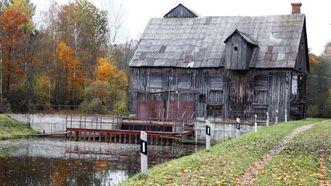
[(254, 170)]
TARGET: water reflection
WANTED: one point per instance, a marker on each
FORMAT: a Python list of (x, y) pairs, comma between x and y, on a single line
[(59, 162)]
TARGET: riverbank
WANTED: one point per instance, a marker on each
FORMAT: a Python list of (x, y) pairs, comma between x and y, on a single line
[(228, 161), (10, 128)]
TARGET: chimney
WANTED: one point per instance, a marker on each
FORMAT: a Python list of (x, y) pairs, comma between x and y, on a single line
[(296, 8)]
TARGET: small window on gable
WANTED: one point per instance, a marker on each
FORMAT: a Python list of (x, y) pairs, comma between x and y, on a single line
[(235, 48), (162, 49)]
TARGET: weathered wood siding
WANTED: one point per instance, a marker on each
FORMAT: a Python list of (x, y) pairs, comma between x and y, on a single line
[(238, 53), (302, 61), (221, 93), (180, 11)]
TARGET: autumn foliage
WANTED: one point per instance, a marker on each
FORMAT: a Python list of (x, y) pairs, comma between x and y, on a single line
[(109, 92), (68, 62), (104, 70)]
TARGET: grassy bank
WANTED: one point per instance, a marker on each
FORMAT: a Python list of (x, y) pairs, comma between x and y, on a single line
[(223, 164), (10, 128), (299, 162)]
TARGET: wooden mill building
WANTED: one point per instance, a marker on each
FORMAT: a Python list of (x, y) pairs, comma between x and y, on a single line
[(224, 67)]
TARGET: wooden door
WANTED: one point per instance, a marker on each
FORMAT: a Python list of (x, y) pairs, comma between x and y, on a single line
[(239, 94)]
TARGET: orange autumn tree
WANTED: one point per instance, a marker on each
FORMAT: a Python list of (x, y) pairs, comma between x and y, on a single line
[(71, 67), (104, 70), (109, 92), (13, 31), (118, 80)]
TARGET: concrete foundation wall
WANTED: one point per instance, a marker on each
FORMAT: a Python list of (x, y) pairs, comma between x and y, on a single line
[(50, 123), (45, 123), (220, 130)]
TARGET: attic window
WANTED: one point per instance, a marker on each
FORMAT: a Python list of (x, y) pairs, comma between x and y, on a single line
[(162, 49), (235, 48)]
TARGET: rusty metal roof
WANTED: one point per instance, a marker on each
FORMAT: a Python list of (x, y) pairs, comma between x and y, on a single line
[(199, 42)]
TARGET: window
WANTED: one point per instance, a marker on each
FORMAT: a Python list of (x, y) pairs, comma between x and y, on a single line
[(215, 97), (235, 48), (162, 49), (155, 80), (294, 90), (202, 98), (184, 81)]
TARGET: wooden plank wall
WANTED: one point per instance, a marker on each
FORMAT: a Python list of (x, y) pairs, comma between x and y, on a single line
[(253, 91)]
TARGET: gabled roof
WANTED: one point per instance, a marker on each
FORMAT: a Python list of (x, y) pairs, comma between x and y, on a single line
[(244, 36), (180, 11), (199, 42)]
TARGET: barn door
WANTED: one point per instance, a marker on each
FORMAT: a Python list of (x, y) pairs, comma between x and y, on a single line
[(260, 104), (239, 87)]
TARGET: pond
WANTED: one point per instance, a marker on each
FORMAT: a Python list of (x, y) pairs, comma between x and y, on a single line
[(61, 162)]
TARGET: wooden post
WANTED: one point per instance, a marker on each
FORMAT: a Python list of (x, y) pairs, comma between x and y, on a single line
[(276, 119), (208, 135), (285, 115), (267, 122), (255, 123), (143, 152), (238, 127)]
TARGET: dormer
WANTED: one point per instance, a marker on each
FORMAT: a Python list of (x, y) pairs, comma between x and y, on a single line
[(180, 11), (239, 51)]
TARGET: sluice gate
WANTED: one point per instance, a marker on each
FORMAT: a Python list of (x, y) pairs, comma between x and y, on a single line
[(115, 129)]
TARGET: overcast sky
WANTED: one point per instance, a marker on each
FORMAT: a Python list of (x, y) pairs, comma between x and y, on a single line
[(136, 13)]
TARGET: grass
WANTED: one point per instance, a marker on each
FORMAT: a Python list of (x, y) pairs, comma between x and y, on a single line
[(222, 165), (298, 163), (10, 128)]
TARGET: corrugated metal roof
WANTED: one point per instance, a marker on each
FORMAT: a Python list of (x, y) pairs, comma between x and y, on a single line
[(199, 42)]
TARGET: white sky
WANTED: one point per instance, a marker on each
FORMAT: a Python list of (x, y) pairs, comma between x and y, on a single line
[(136, 13)]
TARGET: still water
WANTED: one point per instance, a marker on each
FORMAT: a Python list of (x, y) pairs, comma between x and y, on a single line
[(60, 162)]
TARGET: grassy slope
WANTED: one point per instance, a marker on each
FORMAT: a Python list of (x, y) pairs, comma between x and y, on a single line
[(223, 164), (10, 128), (298, 163)]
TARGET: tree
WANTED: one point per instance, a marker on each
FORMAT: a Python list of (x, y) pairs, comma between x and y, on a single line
[(26, 8), (97, 98), (104, 70), (43, 88), (319, 84), (12, 25), (119, 93), (71, 70), (17, 34), (92, 40)]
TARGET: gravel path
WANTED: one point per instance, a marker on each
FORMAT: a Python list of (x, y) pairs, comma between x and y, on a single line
[(254, 170)]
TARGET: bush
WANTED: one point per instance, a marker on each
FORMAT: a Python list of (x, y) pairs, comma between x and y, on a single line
[(97, 98)]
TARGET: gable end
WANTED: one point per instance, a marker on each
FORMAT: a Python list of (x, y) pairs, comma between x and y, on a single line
[(180, 11)]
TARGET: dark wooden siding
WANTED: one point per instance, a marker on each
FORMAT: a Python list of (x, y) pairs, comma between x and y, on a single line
[(180, 11), (229, 93), (302, 61)]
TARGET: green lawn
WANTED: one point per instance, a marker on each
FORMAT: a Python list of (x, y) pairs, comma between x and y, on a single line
[(223, 164), (298, 163), (10, 128)]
